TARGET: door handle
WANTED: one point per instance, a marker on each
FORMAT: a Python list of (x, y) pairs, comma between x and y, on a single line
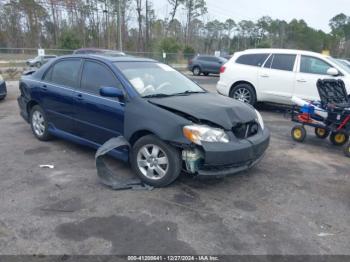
[(44, 87), (264, 75), (301, 80)]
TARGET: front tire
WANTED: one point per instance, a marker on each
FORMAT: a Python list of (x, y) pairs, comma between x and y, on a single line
[(155, 162), (347, 149), (2, 97), (245, 93), (339, 138), (39, 124)]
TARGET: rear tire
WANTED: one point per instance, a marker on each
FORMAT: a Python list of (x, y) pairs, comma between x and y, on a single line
[(339, 138), (39, 124), (155, 162), (196, 71), (2, 97), (245, 93), (298, 133)]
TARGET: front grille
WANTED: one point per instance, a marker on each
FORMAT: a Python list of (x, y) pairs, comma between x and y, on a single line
[(245, 130)]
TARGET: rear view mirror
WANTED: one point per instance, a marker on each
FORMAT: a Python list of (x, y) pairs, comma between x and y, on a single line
[(332, 72), (111, 92)]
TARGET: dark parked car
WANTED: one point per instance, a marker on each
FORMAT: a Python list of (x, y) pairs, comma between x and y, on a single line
[(39, 60), (206, 64), (171, 123), (98, 51), (3, 90)]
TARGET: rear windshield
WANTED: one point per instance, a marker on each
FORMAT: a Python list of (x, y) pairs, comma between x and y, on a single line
[(252, 59)]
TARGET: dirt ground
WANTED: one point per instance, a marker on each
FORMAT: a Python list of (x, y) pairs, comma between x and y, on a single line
[(296, 201)]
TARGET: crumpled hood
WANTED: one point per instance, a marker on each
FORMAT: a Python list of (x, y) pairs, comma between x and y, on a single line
[(220, 110)]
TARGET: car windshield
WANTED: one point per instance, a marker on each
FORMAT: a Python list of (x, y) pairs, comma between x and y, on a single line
[(340, 64), (151, 79)]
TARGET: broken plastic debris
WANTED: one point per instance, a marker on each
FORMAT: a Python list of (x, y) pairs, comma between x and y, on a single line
[(47, 166), (323, 234), (105, 174)]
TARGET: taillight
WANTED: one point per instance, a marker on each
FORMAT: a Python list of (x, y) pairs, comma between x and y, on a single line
[(190, 62), (222, 69)]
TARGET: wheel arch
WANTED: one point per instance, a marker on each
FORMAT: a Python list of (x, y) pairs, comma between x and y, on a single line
[(242, 82), (30, 105), (138, 134)]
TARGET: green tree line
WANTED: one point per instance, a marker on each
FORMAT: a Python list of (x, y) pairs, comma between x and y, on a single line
[(133, 26)]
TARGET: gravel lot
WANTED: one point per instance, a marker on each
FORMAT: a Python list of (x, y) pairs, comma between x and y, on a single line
[(296, 201)]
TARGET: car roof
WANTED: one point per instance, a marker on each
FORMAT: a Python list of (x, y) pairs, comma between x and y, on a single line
[(280, 51), (110, 58)]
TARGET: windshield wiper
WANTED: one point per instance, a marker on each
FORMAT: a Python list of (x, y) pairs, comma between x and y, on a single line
[(156, 95), (188, 92)]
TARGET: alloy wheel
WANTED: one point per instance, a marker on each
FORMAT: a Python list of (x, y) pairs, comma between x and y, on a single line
[(152, 161), (243, 95), (38, 122)]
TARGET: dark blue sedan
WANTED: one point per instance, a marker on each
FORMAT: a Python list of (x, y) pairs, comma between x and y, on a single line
[(171, 123), (3, 90)]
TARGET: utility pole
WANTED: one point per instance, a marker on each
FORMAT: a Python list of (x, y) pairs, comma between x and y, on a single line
[(120, 25)]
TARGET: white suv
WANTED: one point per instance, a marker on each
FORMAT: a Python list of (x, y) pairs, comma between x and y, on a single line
[(275, 75)]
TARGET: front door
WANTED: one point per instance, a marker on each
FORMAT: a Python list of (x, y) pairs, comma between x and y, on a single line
[(276, 78), (99, 118), (310, 70)]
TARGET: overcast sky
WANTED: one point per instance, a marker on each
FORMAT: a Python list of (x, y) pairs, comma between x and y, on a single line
[(316, 13)]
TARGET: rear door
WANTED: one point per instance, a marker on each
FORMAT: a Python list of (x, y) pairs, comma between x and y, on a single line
[(204, 62), (100, 118), (277, 77), (310, 70), (57, 93)]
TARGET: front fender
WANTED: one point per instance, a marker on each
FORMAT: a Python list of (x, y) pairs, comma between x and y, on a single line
[(142, 115)]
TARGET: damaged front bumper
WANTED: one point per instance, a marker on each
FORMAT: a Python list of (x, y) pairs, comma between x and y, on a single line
[(222, 159)]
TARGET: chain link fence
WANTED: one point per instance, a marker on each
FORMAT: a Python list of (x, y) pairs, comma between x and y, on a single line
[(13, 60)]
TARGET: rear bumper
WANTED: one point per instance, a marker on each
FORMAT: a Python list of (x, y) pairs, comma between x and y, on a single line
[(23, 108), (222, 89), (224, 159)]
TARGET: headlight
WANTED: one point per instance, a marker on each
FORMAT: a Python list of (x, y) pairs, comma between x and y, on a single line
[(199, 133), (259, 119), (1, 78)]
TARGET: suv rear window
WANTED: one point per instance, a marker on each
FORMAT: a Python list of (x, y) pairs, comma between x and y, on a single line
[(252, 59)]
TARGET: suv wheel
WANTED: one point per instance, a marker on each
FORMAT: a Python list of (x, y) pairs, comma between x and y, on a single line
[(155, 162), (244, 93), (196, 71), (39, 124)]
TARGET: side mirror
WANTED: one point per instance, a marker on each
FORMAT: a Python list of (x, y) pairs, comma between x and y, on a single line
[(111, 92), (332, 72)]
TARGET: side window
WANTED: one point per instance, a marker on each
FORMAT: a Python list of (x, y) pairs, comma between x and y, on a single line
[(283, 62), (95, 76), (252, 59), (269, 62), (47, 76), (313, 65), (66, 73)]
